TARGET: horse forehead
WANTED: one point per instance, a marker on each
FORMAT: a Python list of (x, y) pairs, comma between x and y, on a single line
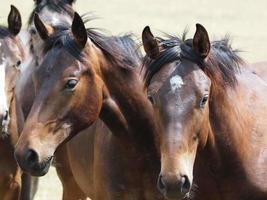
[(181, 88), (58, 62), (161, 77), (54, 18), (10, 48), (176, 82), (194, 79), (200, 79)]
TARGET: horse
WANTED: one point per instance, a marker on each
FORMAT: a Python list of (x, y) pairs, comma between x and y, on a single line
[(87, 79), (12, 54), (55, 13), (212, 109), (18, 89)]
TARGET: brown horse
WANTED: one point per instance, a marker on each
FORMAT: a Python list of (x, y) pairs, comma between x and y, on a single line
[(213, 113), (12, 54), (55, 13), (84, 76)]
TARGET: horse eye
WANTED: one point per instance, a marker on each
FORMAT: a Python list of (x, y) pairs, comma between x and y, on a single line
[(18, 63), (203, 100), (33, 31), (70, 84)]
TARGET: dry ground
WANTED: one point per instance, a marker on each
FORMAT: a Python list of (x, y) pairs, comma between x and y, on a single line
[(244, 20)]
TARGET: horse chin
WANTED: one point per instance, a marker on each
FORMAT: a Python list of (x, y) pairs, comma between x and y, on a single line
[(42, 168), (176, 196)]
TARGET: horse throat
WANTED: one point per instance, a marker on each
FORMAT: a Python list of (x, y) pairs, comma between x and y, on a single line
[(126, 110)]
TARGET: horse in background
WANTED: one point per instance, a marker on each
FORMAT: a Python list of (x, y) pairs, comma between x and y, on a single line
[(55, 13), (12, 54), (212, 110)]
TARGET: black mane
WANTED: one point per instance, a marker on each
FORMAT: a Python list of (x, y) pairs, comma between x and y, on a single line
[(59, 6), (4, 32), (171, 53), (224, 61), (221, 65), (122, 50)]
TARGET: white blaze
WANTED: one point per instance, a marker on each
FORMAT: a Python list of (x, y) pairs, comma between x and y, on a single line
[(176, 82), (54, 18), (3, 98)]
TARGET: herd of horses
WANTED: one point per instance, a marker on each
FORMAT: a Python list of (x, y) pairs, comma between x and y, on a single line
[(185, 121)]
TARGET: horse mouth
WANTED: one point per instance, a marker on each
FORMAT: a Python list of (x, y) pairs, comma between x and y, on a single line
[(175, 196), (42, 168)]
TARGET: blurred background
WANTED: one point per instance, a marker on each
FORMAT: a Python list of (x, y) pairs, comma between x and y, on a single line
[(245, 21)]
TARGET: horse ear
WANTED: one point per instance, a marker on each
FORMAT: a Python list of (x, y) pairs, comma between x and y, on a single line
[(201, 42), (79, 31), (44, 30), (14, 20), (150, 43)]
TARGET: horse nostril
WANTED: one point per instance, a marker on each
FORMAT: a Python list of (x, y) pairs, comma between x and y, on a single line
[(185, 184), (161, 184), (31, 157), (5, 116)]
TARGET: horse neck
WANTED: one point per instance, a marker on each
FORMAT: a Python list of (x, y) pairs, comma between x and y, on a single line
[(229, 126), (126, 89)]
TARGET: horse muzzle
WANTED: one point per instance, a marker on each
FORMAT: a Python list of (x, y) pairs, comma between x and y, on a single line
[(175, 187), (29, 161)]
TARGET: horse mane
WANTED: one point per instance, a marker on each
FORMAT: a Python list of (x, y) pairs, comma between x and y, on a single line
[(126, 50), (59, 6), (4, 32), (223, 62), (121, 50), (170, 53), (221, 65)]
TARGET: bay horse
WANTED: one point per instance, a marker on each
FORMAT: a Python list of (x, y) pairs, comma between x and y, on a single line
[(85, 77), (54, 13), (213, 114), (12, 54), (19, 92)]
